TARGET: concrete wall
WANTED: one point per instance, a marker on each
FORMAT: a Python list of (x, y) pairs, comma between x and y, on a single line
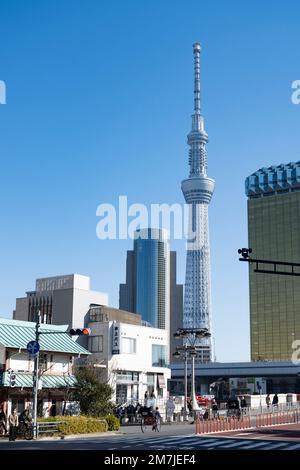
[(2, 355), (62, 307), (21, 311)]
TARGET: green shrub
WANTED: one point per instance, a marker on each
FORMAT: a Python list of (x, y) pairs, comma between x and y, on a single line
[(78, 424), (113, 423)]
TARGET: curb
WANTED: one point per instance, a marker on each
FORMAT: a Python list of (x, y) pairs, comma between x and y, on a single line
[(80, 436)]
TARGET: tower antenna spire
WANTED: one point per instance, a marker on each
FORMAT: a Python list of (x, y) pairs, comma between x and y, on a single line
[(197, 97)]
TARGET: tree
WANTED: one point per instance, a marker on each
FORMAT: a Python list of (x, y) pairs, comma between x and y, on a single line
[(93, 396)]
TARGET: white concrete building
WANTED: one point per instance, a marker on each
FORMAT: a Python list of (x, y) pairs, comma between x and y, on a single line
[(133, 358)]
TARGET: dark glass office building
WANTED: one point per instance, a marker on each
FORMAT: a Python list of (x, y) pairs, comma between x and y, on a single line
[(274, 233), (151, 288)]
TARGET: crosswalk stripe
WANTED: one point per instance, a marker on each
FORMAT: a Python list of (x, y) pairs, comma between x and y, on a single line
[(192, 442), (174, 438), (275, 446), (235, 444), (296, 446), (216, 441), (255, 444)]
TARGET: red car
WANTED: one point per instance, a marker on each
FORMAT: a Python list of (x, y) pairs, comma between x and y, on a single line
[(202, 401)]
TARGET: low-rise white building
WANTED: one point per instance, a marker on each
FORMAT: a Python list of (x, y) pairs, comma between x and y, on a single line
[(56, 363), (133, 358)]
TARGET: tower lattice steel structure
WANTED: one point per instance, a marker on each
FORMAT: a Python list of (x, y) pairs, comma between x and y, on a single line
[(198, 190)]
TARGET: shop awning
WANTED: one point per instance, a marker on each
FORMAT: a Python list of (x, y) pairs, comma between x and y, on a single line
[(161, 381), (46, 381)]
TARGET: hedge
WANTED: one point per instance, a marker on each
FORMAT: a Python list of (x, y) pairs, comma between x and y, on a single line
[(77, 424), (113, 423)]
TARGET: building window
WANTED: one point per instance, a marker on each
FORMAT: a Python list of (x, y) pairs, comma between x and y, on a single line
[(96, 344), (127, 376), (150, 379), (159, 356), (128, 346), (43, 359)]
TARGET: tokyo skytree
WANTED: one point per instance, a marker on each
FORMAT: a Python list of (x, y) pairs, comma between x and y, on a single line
[(198, 190)]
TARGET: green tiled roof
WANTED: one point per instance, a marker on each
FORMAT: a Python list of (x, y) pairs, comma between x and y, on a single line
[(47, 381), (17, 334)]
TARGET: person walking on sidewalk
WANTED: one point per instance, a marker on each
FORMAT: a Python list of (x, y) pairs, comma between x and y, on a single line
[(13, 425), (268, 401), (275, 400), (3, 427), (215, 409)]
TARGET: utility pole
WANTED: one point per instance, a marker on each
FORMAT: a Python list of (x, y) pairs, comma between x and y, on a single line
[(186, 411), (35, 385)]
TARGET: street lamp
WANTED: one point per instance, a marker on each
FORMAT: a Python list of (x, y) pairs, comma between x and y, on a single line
[(183, 352), (190, 347)]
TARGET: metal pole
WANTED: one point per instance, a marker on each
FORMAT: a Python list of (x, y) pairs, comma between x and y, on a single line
[(36, 378), (260, 399), (185, 387), (194, 400)]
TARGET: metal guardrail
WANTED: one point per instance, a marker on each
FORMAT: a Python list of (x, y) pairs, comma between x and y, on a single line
[(48, 426), (52, 426)]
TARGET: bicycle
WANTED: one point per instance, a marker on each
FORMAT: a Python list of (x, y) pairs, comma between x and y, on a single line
[(26, 431)]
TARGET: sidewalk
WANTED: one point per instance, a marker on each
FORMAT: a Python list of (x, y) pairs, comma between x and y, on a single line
[(58, 437)]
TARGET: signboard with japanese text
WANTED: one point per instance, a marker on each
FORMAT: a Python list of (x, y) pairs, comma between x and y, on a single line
[(115, 338)]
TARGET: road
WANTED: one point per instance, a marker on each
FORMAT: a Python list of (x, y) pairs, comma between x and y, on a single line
[(179, 437)]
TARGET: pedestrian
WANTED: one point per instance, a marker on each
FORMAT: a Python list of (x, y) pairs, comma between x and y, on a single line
[(157, 417), (25, 420), (146, 397), (268, 401), (3, 427), (152, 394), (215, 409), (243, 405), (275, 400), (190, 408), (13, 424)]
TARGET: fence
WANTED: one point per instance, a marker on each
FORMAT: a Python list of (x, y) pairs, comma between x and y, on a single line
[(246, 422), (48, 427), (281, 417), (222, 425)]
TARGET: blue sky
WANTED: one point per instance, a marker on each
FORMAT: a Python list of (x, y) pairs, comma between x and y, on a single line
[(99, 98)]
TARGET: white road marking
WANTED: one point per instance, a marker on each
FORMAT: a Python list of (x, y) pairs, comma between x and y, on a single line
[(275, 446), (296, 446), (216, 441), (236, 444), (255, 444)]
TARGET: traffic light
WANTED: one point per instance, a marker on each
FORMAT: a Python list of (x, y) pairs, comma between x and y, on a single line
[(12, 378), (80, 331)]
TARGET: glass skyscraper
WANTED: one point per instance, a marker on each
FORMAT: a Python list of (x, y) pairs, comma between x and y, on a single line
[(147, 288), (274, 234), (152, 251)]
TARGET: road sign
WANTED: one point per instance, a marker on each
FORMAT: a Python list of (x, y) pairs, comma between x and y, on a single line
[(33, 347)]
